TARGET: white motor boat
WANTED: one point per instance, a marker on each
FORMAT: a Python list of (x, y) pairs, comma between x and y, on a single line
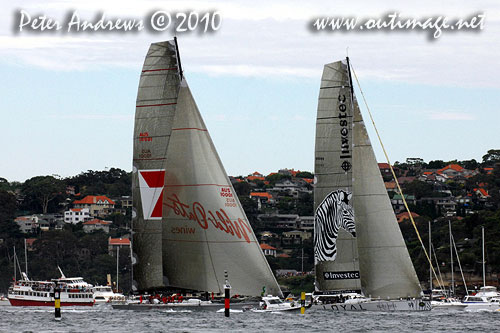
[(271, 303), (488, 298), (105, 294)]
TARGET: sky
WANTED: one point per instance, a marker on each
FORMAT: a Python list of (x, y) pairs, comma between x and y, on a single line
[(67, 100)]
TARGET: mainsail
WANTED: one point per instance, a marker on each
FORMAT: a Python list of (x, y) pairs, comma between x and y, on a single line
[(371, 256), (335, 250), (203, 231)]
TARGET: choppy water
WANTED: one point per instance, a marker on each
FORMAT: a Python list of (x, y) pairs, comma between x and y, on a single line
[(106, 319)]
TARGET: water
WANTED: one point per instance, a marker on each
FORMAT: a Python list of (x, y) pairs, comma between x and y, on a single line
[(103, 318)]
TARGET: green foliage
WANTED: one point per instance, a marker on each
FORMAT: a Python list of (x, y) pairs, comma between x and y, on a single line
[(277, 177), (304, 174), (437, 164), (298, 284), (286, 205), (242, 188), (418, 188), (41, 191), (114, 183), (492, 157), (305, 204)]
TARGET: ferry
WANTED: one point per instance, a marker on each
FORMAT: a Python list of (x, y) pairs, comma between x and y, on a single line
[(74, 292)]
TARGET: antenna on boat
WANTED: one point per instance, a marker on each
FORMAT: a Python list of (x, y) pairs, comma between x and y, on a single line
[(62, 274), (177, 55)]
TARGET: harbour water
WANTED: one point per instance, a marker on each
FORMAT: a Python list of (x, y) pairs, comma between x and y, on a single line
[(103, 318)]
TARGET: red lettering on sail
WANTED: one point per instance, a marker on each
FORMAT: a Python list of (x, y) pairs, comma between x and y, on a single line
[(219, 220)]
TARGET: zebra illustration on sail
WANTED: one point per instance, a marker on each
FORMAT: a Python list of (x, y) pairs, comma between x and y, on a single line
[(333, 213), (361, 260)]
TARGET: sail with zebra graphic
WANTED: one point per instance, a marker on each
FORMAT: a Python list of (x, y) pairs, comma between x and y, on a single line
[(358, 247), (189, 226)]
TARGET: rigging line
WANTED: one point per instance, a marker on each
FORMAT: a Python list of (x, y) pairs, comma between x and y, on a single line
[(440, 279), (459, 265), (393, 173)]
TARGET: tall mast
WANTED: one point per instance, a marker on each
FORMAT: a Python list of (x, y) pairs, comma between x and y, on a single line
[(350, 81), (484, 262), (178, 57), (452, 289), (15, 274), (430, 263), (26, 256)]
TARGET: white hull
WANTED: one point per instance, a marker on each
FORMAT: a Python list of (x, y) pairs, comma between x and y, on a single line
[(448, 306), (482, 306), (378, 305)]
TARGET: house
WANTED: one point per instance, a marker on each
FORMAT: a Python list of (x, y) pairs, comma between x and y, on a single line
[(295, 237), (77, 215), (118, 243), (305, 223), (268, 250), (263, 197), (97, 204), (255, 176), (451, 170), (405, 216), (27, 224), (96, 224), (279, 221), (126, 201), (398, 204), (385, 169), (481, 193), (29, 243)]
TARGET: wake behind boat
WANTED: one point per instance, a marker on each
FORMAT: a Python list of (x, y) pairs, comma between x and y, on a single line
[(361, 260)]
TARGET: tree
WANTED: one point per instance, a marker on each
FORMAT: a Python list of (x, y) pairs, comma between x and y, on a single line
[(8, 228), (304, 174), (469, 164), (41, 190), (492, 157), (242, 188), (437, 164)]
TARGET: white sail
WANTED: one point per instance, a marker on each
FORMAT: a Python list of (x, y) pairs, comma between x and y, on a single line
[(336, 261), (204, 231), (371, 256), (385, 265), (155, 108)]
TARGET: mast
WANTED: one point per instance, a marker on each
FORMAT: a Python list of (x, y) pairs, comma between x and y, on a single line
[(452, 289), (484, 262), (15, 273), (430, 262), (117, 266), (26, 256), (178, 58)]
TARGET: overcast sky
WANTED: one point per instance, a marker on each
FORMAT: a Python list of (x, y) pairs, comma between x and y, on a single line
[(68, 100)]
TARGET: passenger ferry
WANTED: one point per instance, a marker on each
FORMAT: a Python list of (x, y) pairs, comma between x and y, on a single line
[(74, 292)]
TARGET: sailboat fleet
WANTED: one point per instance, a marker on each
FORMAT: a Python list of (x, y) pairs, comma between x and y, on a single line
[(189, 227)]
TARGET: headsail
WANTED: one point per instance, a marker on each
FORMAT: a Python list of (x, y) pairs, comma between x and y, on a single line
[(204, 230), (385, 265), (335, 249)]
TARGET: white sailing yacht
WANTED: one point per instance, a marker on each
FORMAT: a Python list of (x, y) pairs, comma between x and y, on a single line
[(361, 260), (188, 224)]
